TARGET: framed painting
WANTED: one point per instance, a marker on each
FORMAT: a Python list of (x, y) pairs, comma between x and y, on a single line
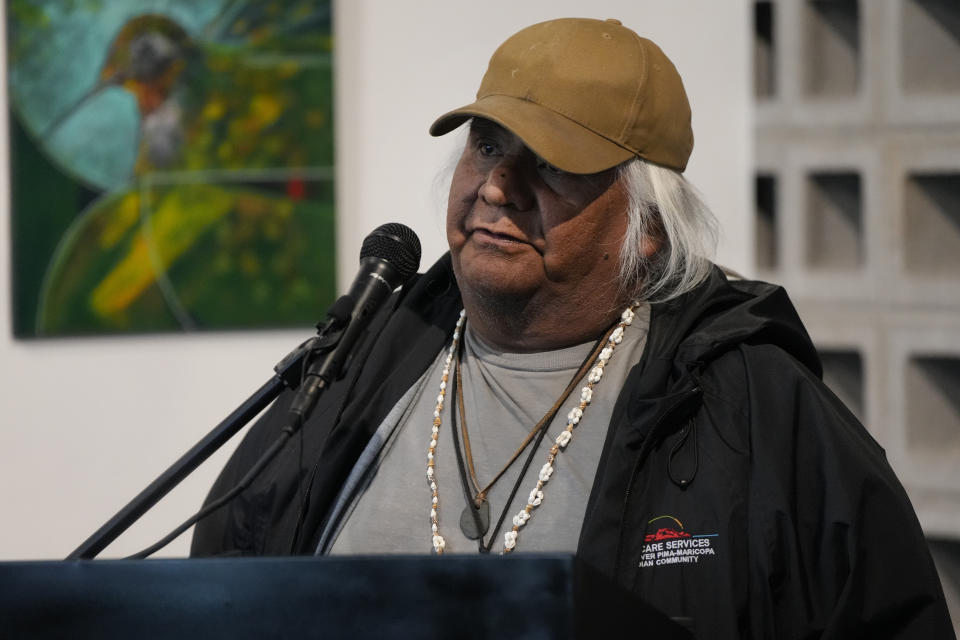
[(172, 164)]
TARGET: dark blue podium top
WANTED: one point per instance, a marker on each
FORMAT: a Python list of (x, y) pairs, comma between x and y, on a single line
[(523, 596)]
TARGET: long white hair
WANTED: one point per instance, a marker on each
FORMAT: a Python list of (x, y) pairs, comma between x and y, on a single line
[(665, 206)]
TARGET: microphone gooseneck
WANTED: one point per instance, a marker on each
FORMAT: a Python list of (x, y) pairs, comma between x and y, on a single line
[(389, 256)]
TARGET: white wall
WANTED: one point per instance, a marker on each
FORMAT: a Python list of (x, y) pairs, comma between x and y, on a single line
[(86, 423)]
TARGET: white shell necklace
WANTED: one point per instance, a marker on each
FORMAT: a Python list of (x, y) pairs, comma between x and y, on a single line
[(573, 419)]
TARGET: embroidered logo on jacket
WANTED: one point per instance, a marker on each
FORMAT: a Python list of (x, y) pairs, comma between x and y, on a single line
[(667, 542)]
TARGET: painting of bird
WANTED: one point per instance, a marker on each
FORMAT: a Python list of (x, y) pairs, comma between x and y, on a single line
[(195, 141)]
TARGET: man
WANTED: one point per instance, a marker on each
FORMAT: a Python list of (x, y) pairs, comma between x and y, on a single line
[(606, 390)]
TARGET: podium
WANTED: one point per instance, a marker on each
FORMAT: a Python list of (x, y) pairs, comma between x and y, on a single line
[(523, 596)]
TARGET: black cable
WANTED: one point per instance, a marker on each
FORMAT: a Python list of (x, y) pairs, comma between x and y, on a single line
[(210, 507), (327, 335)]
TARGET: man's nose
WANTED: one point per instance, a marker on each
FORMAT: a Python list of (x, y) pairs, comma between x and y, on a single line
[(508, 183)]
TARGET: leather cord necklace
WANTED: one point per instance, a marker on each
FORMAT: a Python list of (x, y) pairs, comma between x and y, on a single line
[(604, 351), (475, 517)]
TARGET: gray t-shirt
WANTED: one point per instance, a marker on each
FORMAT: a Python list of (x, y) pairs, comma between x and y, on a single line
[(385, 506)]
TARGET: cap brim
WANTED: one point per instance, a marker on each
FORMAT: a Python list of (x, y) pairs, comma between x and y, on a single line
[(555, 138)]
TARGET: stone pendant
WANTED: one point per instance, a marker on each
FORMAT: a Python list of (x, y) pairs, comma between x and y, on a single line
[(475, 521)]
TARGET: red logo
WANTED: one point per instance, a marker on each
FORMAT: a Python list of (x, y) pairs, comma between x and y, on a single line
[(665, 533)]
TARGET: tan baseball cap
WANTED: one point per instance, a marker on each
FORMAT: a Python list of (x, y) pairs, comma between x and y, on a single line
[(584, 95)]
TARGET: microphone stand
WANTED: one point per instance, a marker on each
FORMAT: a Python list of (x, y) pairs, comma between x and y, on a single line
[(289, 373), (388, 257)]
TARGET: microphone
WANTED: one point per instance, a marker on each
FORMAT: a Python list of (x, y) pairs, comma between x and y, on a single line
[(389, 256)]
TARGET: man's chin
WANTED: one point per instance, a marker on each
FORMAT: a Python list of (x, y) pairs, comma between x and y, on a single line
[(496, 274), (496, 290)]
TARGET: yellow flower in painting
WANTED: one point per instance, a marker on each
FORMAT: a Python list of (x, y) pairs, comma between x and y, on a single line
[(214, 109), (157, 245), (127, 215), (265, 108)]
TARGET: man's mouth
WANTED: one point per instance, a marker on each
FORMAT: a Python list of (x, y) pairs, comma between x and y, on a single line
[(501, 240), (487, 234)]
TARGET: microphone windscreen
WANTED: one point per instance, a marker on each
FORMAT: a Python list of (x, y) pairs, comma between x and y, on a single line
[(394, 243)]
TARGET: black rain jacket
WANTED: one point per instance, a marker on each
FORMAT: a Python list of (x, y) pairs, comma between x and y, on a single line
[(734, 489)]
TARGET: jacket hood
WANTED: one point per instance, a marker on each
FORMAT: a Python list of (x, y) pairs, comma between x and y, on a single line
[(720, 314)]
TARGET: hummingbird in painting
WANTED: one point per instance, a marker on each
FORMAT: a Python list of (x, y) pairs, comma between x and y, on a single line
[(207, 105), (150, 58)]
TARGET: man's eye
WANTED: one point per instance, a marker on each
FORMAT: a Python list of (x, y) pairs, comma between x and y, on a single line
[(486, 148)]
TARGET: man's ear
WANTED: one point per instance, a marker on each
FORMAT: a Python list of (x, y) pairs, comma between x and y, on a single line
[(654, 238), (651, 245)]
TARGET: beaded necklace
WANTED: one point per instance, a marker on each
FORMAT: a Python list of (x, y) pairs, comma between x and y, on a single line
[(573, 419)]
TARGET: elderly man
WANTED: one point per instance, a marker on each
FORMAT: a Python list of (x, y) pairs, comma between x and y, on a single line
[(576, 376)]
